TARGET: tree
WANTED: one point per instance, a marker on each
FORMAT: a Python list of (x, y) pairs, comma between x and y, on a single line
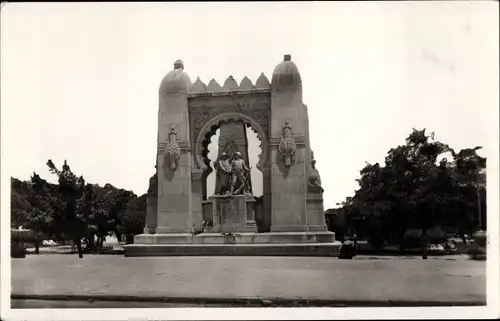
[(471, 180), (415, 189), (116, 204), (19, 202), (44, 207), (73, 210), (91, 210), (71, 189), (134, 216)]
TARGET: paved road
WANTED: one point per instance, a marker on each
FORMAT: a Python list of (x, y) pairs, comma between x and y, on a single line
[(361, 279)]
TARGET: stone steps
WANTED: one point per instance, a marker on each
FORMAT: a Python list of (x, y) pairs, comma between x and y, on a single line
[(303, 249)]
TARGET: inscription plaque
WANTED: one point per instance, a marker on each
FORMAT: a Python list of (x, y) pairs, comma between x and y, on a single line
[(230, 214)]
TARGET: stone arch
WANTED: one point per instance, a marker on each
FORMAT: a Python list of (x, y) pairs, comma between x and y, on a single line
[(211, 126)]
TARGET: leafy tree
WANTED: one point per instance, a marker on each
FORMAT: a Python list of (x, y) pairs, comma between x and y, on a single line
[(19, 202), (471, 181), (116, 205), (91, 210), (134, 216), (71, 189), (40, 210), (73, 210), (419, 189)]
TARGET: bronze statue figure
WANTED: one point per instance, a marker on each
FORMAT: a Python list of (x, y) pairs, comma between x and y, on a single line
[(240, 173), (224, 170)]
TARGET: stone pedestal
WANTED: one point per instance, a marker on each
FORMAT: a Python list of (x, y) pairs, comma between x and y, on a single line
[(315, 213), (232, 214)]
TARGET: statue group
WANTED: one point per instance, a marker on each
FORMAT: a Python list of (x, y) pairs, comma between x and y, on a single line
[(233, 175)]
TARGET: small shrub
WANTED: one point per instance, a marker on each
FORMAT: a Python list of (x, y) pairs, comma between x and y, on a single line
[(129, 238), (17, 248), (17, 251), (480, 238), (17, 236)]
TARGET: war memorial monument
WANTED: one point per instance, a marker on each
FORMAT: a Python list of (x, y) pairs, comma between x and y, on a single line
[(183, 220)]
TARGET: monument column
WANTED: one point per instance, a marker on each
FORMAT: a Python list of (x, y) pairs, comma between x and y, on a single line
[(174, 154), (288, 150)]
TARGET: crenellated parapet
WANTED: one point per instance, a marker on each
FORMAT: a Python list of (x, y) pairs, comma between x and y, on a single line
[(230, 84), (199, 86), (230, 87), (246, 84)]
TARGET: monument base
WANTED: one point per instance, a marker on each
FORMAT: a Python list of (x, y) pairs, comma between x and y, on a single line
[(236, 244), (303, 249)]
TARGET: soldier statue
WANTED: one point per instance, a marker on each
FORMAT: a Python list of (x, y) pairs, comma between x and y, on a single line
[(240, 173), (224, 171)]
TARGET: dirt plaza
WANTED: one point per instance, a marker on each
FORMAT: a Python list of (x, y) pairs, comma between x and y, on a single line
[(366, 280)]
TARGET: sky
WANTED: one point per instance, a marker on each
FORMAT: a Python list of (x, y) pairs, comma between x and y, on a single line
[(80, 81)]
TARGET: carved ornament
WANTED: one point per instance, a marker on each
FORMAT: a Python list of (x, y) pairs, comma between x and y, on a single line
[(172, 149), (287, 146), (314, 180)]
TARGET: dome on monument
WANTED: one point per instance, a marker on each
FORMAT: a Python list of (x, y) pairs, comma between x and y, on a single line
[(176, 81), (286, 74)]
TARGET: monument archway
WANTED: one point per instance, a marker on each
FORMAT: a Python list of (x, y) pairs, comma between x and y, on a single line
[(211, 126), (289, 217), (231, 108)]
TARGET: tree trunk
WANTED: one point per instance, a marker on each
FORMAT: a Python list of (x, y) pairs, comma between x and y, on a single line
[(92, 243), (37, 248), (99, 243), (78, 243), (424, 244)]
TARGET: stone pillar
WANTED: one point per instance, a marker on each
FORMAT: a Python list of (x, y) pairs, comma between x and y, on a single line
[(288, 180), (266, 199), (174, 154)]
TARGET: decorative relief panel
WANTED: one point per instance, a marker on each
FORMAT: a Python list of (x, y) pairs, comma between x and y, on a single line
[(262, 117), (202, 109)]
